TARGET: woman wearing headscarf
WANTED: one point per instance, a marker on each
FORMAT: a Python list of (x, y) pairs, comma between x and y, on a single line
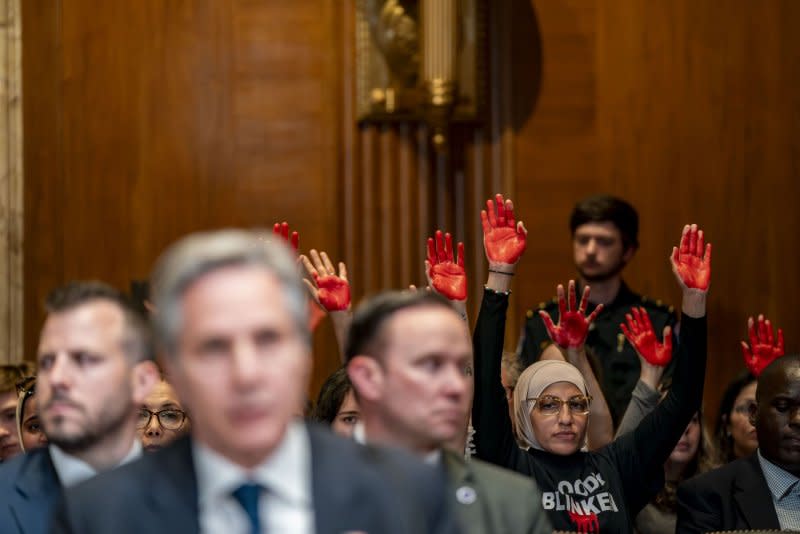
[(589, 491)]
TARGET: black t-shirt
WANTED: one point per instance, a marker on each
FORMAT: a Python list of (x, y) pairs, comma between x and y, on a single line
[(599, 491)]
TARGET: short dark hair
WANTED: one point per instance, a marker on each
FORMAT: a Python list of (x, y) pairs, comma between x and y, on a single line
[(606, 208), (331, 396), (137, 341), (366, 331)]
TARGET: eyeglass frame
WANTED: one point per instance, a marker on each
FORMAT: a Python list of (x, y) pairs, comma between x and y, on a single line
[(745, 408), (561, 403), (158, 418)]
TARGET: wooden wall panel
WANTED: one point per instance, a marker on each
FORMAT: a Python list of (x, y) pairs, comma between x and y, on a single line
[(688, 110), (147, 120), (406, 190)]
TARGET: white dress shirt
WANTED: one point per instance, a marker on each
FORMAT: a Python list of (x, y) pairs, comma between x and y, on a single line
[(72, 471), (286, 504), (785, 490)]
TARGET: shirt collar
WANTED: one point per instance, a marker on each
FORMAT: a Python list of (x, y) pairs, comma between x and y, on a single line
[(779, 480), (286, 473), (72, 470), (360, 436)]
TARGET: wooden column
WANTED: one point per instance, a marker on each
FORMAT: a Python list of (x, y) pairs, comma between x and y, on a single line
[(11, 193)]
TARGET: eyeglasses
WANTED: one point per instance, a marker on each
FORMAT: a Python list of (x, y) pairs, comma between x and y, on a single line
[(550, 405), (168, 419), (744, 408)]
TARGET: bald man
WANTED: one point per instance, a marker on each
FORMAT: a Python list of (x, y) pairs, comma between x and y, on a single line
[(761, 491)]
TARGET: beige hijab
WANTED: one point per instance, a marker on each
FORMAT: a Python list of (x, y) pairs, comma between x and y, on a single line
[(531, 383)]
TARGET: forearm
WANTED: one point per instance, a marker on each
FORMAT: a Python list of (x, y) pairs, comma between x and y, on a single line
[(461, 307), (650, 375), (500, 278), (658, 433), (493, 434), (341, 324), (643, 400), (601, 431), (693, 303)]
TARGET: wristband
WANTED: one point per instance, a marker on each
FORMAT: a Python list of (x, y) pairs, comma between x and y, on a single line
[(501, 272), (489, 289)]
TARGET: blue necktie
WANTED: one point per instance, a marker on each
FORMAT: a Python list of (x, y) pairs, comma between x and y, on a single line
[(247, 495)]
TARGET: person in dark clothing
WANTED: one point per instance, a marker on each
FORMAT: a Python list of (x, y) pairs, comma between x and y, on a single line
[(603, 490), (735, 434), (604, 240), (759, 491)]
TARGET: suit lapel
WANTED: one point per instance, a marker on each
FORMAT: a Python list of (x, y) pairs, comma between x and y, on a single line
[(753, 496), (173, 491), (330, 496), (464, 494), (38, 488)]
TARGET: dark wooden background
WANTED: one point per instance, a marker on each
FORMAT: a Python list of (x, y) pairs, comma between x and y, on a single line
[(147, 120)]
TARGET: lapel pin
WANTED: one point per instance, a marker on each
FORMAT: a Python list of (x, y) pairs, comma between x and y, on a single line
[(466, 495)]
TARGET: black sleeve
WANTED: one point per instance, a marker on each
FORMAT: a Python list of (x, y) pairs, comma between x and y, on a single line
[(698, 511), (641, 454), (534, 334), (494, 439)]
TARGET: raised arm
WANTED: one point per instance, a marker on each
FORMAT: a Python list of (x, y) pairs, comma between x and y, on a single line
[(570, 335), (281, 231), (331, 291), (504, 241), (642, 453), (654, 356)]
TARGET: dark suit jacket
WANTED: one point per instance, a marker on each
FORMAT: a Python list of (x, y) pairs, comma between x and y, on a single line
[(29, 489), (733, 497), (488, 499), (355, 488)]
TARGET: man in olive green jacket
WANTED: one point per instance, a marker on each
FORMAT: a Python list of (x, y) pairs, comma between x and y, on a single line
[(409, 357)]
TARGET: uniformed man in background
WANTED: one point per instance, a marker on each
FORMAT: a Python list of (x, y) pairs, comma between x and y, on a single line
[(604, 240)]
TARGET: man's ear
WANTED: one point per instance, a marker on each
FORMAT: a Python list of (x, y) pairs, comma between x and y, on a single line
[(627, 256), (144, 377), (366, 375)]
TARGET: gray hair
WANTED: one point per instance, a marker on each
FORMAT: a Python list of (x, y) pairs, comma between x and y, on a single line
[(197, 255)]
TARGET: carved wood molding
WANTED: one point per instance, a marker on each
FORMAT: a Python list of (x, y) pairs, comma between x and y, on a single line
[(11, 183), (396, 190)]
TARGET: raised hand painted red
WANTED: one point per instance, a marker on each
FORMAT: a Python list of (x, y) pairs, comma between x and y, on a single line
[(282, 230), (334, 292), (639, 333), (692, 260), (763, 349), (504, 239), (446, 272), (573, 324)]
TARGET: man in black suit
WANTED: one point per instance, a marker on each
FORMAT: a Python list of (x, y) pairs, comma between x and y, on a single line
[(95, 366), (232, 322), (761, 491)]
